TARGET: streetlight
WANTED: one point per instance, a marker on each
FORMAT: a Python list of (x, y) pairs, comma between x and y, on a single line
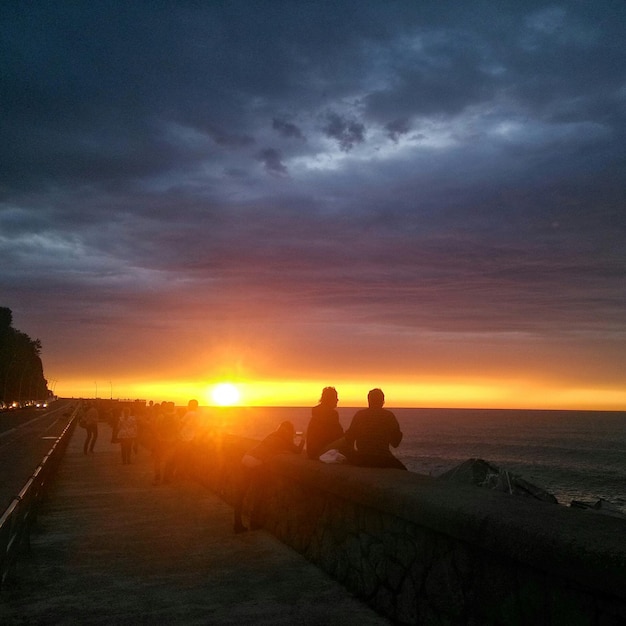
[(110, 383), (96, 384)]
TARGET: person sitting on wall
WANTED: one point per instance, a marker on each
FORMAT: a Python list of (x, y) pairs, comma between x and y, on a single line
[(371, 433), (324, 431), (252, 466)]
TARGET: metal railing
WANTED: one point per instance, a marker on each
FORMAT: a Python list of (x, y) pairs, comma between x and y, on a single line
[(19, 517)]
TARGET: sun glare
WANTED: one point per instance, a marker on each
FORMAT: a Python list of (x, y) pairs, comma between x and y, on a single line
[(225, 394)]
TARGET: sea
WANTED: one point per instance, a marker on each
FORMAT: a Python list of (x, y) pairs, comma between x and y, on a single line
[(575, 455)]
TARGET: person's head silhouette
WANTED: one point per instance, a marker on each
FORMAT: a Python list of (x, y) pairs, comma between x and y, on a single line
[(329, 397), (287, 430), (376, 398)]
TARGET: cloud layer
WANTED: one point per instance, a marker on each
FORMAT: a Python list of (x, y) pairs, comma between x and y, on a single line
[(394, 184)]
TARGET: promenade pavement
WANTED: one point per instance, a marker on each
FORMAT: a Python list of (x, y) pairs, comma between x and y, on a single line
[(111, 548)]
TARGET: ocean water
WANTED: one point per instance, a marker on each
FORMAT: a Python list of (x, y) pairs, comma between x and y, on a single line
[(575, 455)]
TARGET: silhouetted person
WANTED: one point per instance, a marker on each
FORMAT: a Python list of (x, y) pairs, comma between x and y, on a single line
[(165, 436), (126, 434), (91, 426), (147, 423), (252, 470), (324, 431), (371, 433), (182, 457)]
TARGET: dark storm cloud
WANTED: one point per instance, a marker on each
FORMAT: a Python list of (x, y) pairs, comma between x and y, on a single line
[(231, 140), (397, 162), (272, 162), (347, 132), (398, 127), (287, 129)]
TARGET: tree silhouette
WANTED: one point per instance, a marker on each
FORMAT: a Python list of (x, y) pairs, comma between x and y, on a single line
[(21, 369)]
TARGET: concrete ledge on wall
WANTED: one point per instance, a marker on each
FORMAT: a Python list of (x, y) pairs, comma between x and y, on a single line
[(423, 551), (588, 548)]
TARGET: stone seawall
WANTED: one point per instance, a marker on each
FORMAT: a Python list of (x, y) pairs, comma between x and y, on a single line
[(423, 552)]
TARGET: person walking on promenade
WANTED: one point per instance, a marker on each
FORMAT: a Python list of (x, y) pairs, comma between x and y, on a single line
[(183, 456), (126, 434), (146, 426), (167, 435), (371, 433), (324, 431), (91, 426), (252, 470)]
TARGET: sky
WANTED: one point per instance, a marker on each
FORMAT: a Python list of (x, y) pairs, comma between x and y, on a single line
[(427, 197)]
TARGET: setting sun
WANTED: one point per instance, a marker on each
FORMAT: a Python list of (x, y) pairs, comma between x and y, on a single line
[(225, 394)]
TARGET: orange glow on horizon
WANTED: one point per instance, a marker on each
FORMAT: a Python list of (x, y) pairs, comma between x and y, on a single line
[(436, 394)]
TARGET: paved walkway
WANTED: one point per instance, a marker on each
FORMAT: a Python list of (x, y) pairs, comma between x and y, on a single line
[(112, 549)]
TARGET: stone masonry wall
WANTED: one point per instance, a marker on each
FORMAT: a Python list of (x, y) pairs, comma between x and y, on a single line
[(423, 552)]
